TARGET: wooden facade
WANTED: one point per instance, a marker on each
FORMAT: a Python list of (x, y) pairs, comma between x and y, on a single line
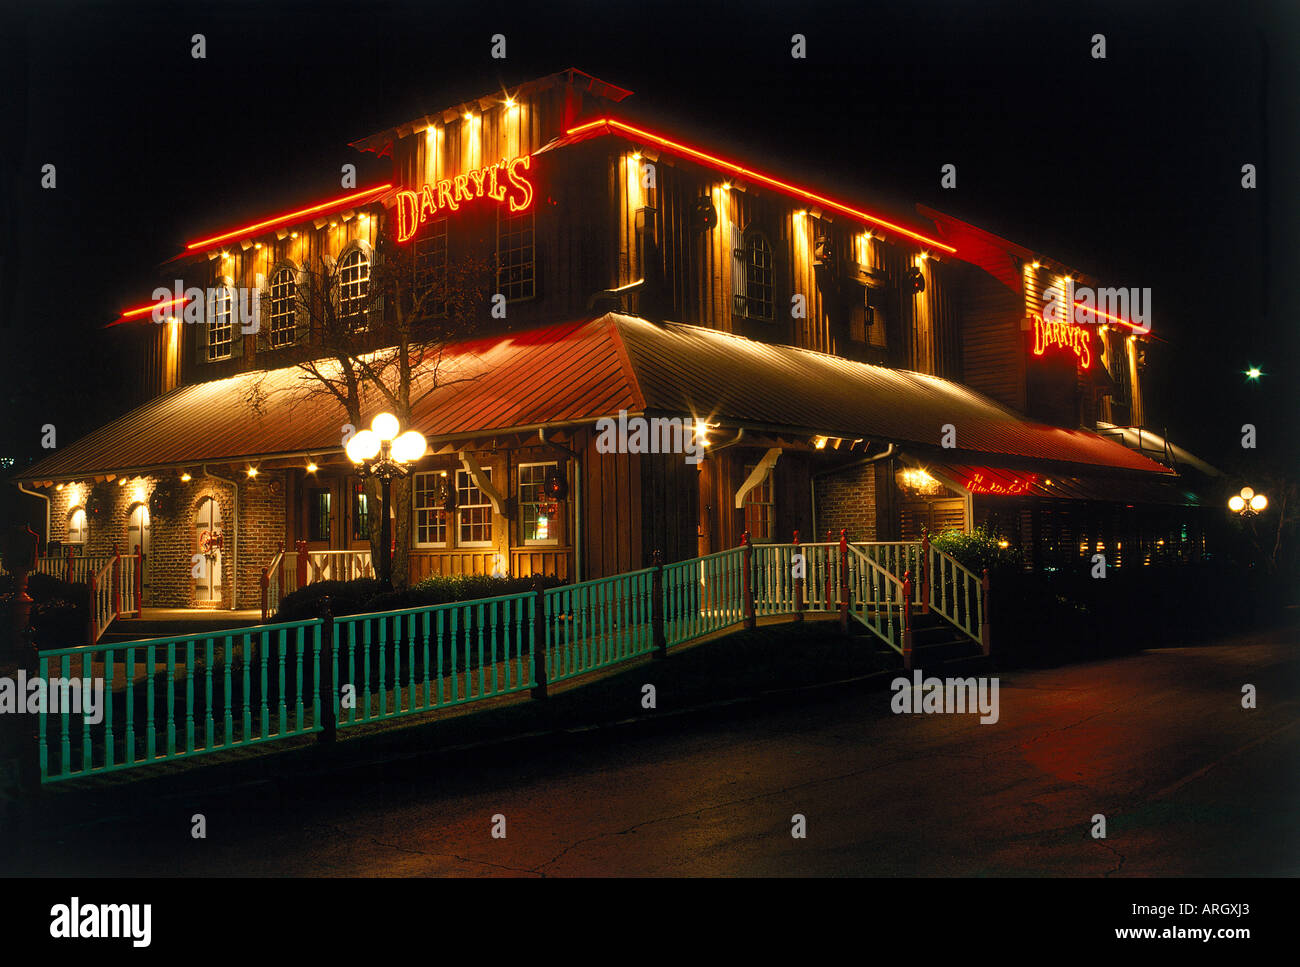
[(691, 243)]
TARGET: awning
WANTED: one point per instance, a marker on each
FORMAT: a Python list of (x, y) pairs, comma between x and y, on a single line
[(576, 373)]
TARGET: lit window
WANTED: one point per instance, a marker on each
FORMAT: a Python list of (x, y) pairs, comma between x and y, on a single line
[(431, 270), (318, 511), (76, 526), (430, 520), (516, 255), (354, 284), (759, 299), (220, 329), (759, 511), (538, 518), (283, 296), (360, 513), (473, 511)]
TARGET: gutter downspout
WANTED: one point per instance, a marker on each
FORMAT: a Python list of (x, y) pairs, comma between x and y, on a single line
[(577, 501), (812, 479), (234, 544), (46, 536)]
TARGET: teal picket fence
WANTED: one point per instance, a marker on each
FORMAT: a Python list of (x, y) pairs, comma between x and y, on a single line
[(173, 698)]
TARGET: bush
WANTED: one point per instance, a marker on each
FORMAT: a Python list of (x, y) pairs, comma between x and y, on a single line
[(978, 550), (362, 596)]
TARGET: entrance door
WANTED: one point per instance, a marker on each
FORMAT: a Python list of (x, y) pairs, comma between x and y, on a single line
[(137, 535), (208, 545)]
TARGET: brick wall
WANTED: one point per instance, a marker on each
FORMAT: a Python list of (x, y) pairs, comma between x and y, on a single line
[(847, 500), (173, 542)]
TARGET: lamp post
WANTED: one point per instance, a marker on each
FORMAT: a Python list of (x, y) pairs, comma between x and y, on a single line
[(1247, 503), (385, 452)]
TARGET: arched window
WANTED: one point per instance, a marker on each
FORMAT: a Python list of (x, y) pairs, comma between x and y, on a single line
[(283, 303), (354, 282), (220, 328), (76, 526), (759, 299)]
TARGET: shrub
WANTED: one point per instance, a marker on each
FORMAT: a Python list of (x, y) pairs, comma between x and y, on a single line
[(362, 596), (978, 550)]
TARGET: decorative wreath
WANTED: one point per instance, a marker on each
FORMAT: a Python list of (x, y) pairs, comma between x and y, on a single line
[(99, 503), (165, 501)]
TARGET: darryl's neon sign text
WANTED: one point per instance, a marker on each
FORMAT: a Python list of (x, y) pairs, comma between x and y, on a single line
[(414, 208), (1064, 334)]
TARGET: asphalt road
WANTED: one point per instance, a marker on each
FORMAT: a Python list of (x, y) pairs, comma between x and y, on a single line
[(1189, 782)]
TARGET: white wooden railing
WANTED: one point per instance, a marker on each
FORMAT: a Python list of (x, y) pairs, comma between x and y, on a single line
[(290, 570)]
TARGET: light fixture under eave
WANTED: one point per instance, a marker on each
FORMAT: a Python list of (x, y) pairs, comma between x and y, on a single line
[(311, 467), (186, 478), (252, 472)]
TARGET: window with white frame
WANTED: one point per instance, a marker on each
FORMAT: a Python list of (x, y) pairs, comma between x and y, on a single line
[(76, 526), (220, 326), (430, 520), (759, 299), (283, 299), (516, 255), (473, 511), (431, 269), (354, 284), (538, 521), (759, 509)]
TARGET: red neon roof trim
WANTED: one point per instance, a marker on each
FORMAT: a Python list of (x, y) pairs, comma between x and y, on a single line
[(250, 229), (1122, 322), (714, 160), (151, 306)]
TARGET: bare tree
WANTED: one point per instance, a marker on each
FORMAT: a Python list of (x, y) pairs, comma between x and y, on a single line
[(383, 342)]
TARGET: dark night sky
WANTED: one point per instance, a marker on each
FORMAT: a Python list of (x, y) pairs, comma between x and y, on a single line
[(1128, 168)]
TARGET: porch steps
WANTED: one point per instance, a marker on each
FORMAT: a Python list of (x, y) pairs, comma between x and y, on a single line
[(193, 623), (935, 645)]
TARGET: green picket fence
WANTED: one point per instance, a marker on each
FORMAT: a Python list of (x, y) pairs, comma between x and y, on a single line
[(174, 698)]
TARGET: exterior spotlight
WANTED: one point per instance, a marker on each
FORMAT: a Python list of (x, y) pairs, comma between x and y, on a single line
[(186, 478), (1254, 373), (293, 234), (257, 245), (1037, 264), (469, 116), (1004, 544), (58, 486), (121, 481), (311, 467), (252, 472)]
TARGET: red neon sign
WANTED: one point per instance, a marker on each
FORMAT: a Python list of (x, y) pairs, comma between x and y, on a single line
[(731, 166), (1013, 487), (288, 217), (1064, 334), (416, 207)]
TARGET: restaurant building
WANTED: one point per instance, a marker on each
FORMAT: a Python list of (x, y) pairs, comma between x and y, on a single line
[(808, 363)]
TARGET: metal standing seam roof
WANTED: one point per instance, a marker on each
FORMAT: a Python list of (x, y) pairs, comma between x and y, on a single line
[(578, 372)]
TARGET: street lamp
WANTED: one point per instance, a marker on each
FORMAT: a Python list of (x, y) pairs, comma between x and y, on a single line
[(384, 452), (1247, 503)]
